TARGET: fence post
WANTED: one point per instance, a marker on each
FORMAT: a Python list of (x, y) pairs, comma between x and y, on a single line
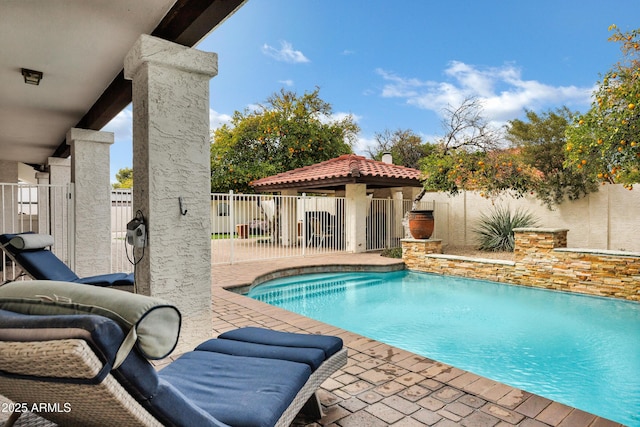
[(232, 226), (304, 223), (389, 221), (71, 226)]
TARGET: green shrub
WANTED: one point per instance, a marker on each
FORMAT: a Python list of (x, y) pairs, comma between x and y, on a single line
[(495, 229), (392, 253)]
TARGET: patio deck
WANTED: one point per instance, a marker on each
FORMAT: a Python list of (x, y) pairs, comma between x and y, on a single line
[(382, 385)]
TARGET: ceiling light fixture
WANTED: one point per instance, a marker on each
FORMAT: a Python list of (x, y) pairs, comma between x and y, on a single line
[(32, 77)]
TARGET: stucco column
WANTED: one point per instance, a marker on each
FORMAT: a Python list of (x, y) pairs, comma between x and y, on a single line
[(288, 218), (59, 179), (92, 200), (59, 170), (397, 229), (356, 217), (8, 197), (171, 160), (43, 202)]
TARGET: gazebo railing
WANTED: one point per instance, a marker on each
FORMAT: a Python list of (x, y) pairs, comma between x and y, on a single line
[(247, 227)]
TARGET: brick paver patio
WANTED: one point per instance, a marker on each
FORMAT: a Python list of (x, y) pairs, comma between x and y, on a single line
[(382, 385)]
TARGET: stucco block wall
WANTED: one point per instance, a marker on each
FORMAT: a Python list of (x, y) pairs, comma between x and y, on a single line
[(541, 260), (606, 219)]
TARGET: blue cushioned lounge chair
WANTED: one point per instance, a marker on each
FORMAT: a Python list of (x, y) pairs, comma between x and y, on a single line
[(40, 263), (245, 377)]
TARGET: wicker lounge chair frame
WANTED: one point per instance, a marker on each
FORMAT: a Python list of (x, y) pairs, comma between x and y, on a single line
[(69, 361)]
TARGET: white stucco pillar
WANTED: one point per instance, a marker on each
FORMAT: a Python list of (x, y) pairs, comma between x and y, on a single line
[(59, 179), (397, 230), (59, 170), (356, 217), (92, 200), (171, 160), (8, 171), (288, 218), (42, 179), (8, 197)]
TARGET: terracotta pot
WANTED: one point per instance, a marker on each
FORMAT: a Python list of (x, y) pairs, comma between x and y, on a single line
[(421, 224)]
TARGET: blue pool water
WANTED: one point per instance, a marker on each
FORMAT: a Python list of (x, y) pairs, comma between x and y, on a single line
[(579, 350)]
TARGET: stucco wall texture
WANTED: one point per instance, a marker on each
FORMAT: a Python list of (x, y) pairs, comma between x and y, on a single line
[(607, 219)]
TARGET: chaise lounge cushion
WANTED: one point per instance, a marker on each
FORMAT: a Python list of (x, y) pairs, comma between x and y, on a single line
[(312, 357), (111, 279), (153, 325), (328, 344), (29, 241), (237, 390)]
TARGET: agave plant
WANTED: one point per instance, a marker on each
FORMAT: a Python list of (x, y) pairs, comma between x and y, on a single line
[(495, 229)]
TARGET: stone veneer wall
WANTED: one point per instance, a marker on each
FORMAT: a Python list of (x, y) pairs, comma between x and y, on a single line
[(541, 260)]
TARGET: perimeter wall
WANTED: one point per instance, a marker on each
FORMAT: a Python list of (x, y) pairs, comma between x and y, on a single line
[(608, 219)]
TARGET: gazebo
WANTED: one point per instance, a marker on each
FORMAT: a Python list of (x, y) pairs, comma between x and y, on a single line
[(358, 180)]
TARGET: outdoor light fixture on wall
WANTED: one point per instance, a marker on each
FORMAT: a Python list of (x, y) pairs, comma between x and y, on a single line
[(32, 77)]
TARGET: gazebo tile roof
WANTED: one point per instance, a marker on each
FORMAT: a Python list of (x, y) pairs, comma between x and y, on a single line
[(347, 166)]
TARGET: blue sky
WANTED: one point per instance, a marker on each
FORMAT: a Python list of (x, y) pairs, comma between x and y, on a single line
[(397, 64)]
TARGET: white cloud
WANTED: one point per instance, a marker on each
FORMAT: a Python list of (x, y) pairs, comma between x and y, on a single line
[(287, 82), (336, 117), (502, 91), (121, 125), (342, 115), (286, 53), (216, 119), (362, 145)]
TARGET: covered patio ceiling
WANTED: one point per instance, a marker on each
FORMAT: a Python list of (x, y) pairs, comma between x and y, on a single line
[(79, 46)]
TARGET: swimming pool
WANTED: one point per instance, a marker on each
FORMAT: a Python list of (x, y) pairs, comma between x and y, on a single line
[(579, 350)]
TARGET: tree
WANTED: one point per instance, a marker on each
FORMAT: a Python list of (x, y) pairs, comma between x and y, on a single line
[(468, 156), (288, 132), (125, 178), (467, 129), (405, 147), (532, 164), (541, 144), (604, 143)]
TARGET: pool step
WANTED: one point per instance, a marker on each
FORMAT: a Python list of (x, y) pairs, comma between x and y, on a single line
[(277, 294)]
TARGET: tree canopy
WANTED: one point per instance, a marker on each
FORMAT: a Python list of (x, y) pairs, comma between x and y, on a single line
[(541, 142), (604, 142), (469, 157), (404, 145), (527, 159), (287, 132), (125, 178)]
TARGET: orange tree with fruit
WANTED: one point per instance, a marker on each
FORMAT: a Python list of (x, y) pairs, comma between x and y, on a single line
[(288, 132), (604, 143), (526, 160), (490, 172), (470, 157)]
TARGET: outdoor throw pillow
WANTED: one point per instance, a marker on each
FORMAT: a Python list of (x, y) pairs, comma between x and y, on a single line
[(150, 323), (31, 241)]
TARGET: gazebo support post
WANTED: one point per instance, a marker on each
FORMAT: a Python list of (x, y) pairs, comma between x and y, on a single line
[(356, 217)]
